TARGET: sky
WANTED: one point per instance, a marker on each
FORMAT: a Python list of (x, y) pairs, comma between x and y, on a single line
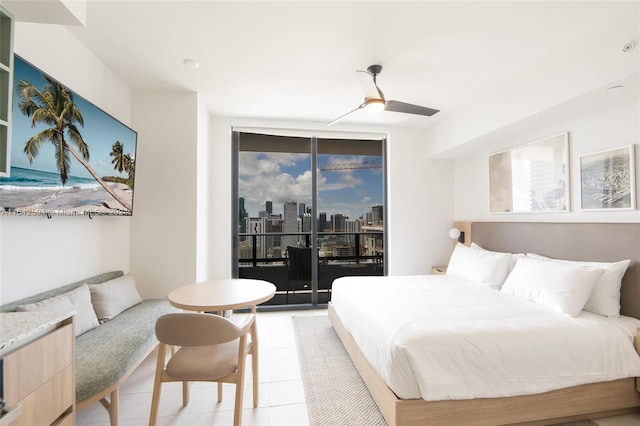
[(100, 132), (282, 177)]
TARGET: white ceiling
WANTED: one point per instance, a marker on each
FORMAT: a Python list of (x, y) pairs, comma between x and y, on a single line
[(296, 60)]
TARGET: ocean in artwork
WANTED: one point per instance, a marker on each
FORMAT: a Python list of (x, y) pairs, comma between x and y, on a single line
[(29, 179), (30, 191)]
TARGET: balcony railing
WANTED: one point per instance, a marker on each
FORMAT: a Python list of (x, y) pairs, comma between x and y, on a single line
[(262, 256)]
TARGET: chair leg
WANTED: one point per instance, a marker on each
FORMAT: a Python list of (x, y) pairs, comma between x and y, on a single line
[(155, 400), (242, 358), (219, 391), (254, 368), (185, 393), (237, 414)]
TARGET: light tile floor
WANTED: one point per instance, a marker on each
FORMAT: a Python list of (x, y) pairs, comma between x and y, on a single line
[(281, 401)]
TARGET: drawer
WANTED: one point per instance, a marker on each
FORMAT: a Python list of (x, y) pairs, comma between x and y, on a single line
[(30, 366), (49, 401), (68, 420)]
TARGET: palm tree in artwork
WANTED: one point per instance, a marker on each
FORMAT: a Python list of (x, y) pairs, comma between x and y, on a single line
[(122, 162), (117, 154), (54, 107)]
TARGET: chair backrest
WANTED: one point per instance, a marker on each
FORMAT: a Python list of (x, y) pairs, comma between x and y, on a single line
[(193, 329), (299, 263)]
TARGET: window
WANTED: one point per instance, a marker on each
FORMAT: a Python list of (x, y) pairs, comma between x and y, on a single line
[(331, 221)]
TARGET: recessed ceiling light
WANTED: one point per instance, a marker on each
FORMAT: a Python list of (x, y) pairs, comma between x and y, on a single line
[(190, 63)]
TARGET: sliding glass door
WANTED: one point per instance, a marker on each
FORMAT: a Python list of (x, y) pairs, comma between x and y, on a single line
[(301, 229)]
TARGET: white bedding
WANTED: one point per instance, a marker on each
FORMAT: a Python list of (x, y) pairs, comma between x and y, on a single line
[(439, 337)]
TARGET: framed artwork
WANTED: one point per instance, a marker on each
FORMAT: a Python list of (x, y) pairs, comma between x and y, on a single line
[(607, 180), (68, 157), (531, 178)]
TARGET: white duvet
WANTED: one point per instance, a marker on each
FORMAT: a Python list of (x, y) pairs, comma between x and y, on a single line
[(438, 337)]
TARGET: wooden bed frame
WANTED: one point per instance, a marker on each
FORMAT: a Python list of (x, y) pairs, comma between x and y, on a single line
[(574, 241)]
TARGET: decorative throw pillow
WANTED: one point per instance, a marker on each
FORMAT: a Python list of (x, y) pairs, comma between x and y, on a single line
[(605, 298), (78, 299), (561, 287), (512, 261), (114, 296), (479, 266)]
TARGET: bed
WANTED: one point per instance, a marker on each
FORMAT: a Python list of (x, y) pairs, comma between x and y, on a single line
[(476, 367)]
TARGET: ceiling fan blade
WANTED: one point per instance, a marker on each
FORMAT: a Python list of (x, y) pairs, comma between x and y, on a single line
[(344, 115), (397, 106), (369, 88)]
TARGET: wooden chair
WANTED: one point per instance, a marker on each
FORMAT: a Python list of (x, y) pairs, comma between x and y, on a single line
[(211, 349)]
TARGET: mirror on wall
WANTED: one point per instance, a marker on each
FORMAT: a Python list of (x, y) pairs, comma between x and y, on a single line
[(531, 178)]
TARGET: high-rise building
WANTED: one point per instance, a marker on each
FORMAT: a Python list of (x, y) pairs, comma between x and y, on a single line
[(338, 223), (377, 215), (353, 226), (242, 214), (322, 222), (306, 222), (274, 225), (290, 224), (258, 225), (269, 207), (301, 209), (368, 218)]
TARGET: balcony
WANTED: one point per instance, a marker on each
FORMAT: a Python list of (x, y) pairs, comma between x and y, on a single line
[(262, 256)]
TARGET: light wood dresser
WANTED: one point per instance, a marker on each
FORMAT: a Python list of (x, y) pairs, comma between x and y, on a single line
[(38, 378)]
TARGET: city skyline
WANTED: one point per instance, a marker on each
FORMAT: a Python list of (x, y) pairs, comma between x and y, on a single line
[(307, 209), (283, 177)]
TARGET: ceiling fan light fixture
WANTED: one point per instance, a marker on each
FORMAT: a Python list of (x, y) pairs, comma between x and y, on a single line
[(374, 105), (374, 98)]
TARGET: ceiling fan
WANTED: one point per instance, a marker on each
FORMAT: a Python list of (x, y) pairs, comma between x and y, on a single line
[(374, 100)]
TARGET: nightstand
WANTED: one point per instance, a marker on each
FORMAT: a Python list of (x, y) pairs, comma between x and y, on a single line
[(438, 270)]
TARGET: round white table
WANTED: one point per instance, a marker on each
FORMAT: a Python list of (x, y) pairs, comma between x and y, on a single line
[(226, 295)]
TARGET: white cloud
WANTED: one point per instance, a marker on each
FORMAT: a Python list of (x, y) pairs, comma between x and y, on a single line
[(262, 178)]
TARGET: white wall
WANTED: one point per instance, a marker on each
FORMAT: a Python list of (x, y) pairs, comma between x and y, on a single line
[(204, 195), (163, 227), (221, 209), (420, 206), (596, 129), (36, 253)]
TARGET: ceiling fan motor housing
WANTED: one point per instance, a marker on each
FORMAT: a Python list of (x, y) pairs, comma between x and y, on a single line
[(374, 69)]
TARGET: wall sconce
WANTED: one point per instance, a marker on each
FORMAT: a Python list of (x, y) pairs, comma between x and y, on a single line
[(455, 233)]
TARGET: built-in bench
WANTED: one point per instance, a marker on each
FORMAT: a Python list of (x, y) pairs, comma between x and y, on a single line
[(106, 355)]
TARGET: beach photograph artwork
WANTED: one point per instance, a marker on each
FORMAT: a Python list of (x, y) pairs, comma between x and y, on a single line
[(68, 157)]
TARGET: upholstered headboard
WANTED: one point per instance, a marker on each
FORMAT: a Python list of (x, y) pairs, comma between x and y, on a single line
[(604, 242)]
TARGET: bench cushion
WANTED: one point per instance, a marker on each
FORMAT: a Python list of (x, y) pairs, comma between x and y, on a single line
[(114, 296), (106, 353), (78, 300), (11, 307)]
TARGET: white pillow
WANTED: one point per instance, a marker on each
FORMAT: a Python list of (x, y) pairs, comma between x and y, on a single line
[(605, 298), (512, 261), (114, 296), (78, 299), (562, 287), (479, 266)]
